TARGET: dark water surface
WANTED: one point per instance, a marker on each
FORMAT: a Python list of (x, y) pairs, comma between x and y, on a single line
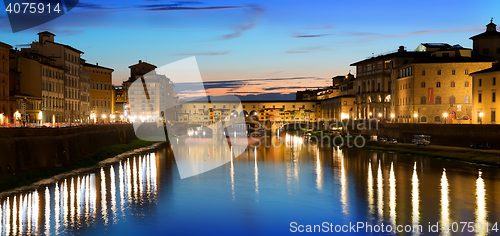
[(261, 193)]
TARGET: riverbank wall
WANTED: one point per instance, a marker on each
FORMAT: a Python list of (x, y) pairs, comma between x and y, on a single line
[(458, 135), (25, 149)]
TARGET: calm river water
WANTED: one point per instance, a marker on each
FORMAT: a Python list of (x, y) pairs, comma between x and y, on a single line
[(266, 191)]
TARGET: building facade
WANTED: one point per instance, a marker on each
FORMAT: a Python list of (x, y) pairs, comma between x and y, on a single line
[(101, 91), (484, 95), (6, 105), (437, 89), (373, 86), (69, 58)]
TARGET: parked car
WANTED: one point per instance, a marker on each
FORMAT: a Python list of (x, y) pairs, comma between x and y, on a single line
[(393, 141), (480, 146), (382, 140), (421, 139)]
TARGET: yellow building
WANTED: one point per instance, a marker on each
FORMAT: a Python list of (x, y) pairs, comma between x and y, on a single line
[(484, 97), (6, 106), (278, 111), (118, 100), (101, 91), (373, 86), (338, 108), (69, 58), (39, 78), (437, 89)]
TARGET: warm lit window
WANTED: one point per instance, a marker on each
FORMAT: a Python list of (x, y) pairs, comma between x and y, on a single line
[(453, 72), (438, 84), (466, 83), (452, 84)]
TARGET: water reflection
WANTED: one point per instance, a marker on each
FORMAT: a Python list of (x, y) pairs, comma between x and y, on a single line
[(343, 182), (445, 202), (415, 216), (392, 194), (370, 188), (380, 192), (74, 201), (124, 195), (481, 213)]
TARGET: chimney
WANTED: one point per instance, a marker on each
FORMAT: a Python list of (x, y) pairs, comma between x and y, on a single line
[(96, 64), (401, 49), (140, 61)]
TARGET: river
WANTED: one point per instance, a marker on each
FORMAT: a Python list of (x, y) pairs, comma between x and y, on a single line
[(280, 189)]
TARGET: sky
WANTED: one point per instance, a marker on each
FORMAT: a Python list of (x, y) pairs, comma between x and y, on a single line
[(257, 48)]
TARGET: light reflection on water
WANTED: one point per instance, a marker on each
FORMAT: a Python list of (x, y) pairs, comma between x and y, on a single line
[(258, 193)]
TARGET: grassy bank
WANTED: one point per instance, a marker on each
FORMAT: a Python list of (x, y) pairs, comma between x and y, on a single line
[(87, 160)]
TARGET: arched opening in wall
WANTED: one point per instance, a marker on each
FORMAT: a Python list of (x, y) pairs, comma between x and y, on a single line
[(254, 115), (438, 100), (423, 100), (466, 99), (452, 100), (234, 114), (437, 119), (244, 114), (423, 119), (387, 98)]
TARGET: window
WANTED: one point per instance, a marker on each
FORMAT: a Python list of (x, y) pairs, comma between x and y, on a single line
[(438, 100), (493, 116), (423, 119), (466, 72), (439, 72), (479, 97), (466, 83), (452, 84), (437, 119), (466, 99), (480, 82), (423, 72), (452, 100), (493, 96), (422, 84), (494, 81), (422, 100), (453, 72), (486, 51), (438, 84)]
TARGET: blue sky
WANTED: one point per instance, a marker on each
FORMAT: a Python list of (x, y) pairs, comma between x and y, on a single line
[(257, 40)]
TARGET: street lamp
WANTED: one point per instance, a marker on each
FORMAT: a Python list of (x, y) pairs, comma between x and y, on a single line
[(415, 115), (40, 117), (392, 117), (112, 116), (103, 118), (481, 118), (445, 115), (92, 116)]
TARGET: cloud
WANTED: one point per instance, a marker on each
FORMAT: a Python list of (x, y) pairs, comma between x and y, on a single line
[(203, 54), (319, 28), (308, 50), (473, 29), (312, 35), (255, 14)]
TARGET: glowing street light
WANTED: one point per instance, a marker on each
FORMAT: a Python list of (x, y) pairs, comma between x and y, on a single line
[(445, 115), (481, 118)]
